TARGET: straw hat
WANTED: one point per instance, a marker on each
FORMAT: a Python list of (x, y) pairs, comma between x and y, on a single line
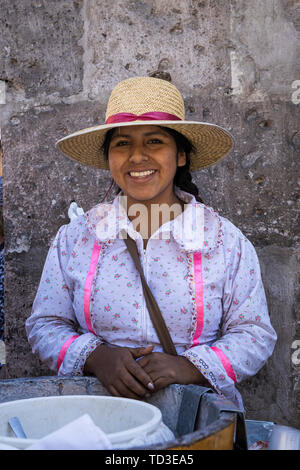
[(148, 101)]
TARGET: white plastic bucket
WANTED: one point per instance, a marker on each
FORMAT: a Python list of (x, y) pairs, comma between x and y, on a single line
[(126, 422)]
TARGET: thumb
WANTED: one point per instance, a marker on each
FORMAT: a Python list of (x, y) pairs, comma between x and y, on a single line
[(139, 352)]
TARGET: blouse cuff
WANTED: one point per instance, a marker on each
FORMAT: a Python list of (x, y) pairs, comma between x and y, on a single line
[(77, 354), (206, 361)]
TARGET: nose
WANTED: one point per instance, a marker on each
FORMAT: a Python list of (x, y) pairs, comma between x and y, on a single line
[(138, 153)]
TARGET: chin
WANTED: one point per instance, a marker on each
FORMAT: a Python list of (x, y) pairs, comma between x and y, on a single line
[(141, 198), (141, 195)]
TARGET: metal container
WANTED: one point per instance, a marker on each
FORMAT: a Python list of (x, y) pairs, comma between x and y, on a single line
[(284, 438), (199, 418)]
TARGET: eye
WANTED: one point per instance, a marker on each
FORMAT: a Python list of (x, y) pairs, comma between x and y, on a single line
[(121, 143), (155, 141)]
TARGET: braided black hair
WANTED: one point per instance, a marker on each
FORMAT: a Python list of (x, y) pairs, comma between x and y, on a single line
[(183, 177)]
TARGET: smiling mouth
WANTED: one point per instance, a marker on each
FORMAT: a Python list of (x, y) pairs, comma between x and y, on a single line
[(141, 174)]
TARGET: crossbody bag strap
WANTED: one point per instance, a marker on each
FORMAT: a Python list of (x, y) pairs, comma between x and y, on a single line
[(154, 311)]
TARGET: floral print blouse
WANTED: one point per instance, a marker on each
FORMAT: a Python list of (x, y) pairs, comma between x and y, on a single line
[(203, 272)]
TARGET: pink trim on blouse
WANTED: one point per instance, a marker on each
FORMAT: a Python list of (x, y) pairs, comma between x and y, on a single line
[(88, 286), (226, 364), (199, 297), (63, 351)]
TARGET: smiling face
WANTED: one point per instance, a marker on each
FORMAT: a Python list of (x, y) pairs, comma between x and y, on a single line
[(143, 161)]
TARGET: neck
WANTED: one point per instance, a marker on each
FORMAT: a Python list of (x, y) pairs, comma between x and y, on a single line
[(148, 216)]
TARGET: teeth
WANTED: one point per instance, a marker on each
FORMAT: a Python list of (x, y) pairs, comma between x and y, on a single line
[(141, 173)]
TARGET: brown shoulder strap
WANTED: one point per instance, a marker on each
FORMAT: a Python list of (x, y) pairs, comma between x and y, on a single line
[(154, 311)]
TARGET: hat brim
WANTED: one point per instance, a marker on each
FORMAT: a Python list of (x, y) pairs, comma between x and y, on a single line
[(211, 142)]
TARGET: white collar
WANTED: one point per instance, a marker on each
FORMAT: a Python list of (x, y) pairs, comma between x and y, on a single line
[(197, 228)]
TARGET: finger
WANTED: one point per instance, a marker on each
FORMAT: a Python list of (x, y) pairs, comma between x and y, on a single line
[(131, 375), (113, 391), (154, 373), (137, 380), (148, 349), (139, 374), (120, 390), (162, 382), (127, 390), (144, 361), (152, 368), (139, 352)]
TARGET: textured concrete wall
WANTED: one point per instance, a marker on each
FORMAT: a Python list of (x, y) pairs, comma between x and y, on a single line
[(236, 63)]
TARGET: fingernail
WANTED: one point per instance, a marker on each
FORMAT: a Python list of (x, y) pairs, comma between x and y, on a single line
[(150, 386)]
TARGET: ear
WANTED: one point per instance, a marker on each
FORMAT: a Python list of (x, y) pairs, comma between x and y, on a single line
[(181, 159)]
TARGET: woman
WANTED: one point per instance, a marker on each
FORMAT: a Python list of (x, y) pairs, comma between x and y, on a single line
[(89, 315)]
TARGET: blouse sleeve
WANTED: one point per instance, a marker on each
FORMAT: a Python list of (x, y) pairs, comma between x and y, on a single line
[(247, 337), (52, 328)]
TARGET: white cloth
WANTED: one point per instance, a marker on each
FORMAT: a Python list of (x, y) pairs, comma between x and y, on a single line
[(74, 211), (80, 434), (205, 277)]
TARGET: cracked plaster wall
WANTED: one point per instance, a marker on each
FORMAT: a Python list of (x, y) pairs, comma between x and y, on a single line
[(234, 62)]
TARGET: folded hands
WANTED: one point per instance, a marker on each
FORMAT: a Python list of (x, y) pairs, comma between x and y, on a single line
[(138, 372)]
